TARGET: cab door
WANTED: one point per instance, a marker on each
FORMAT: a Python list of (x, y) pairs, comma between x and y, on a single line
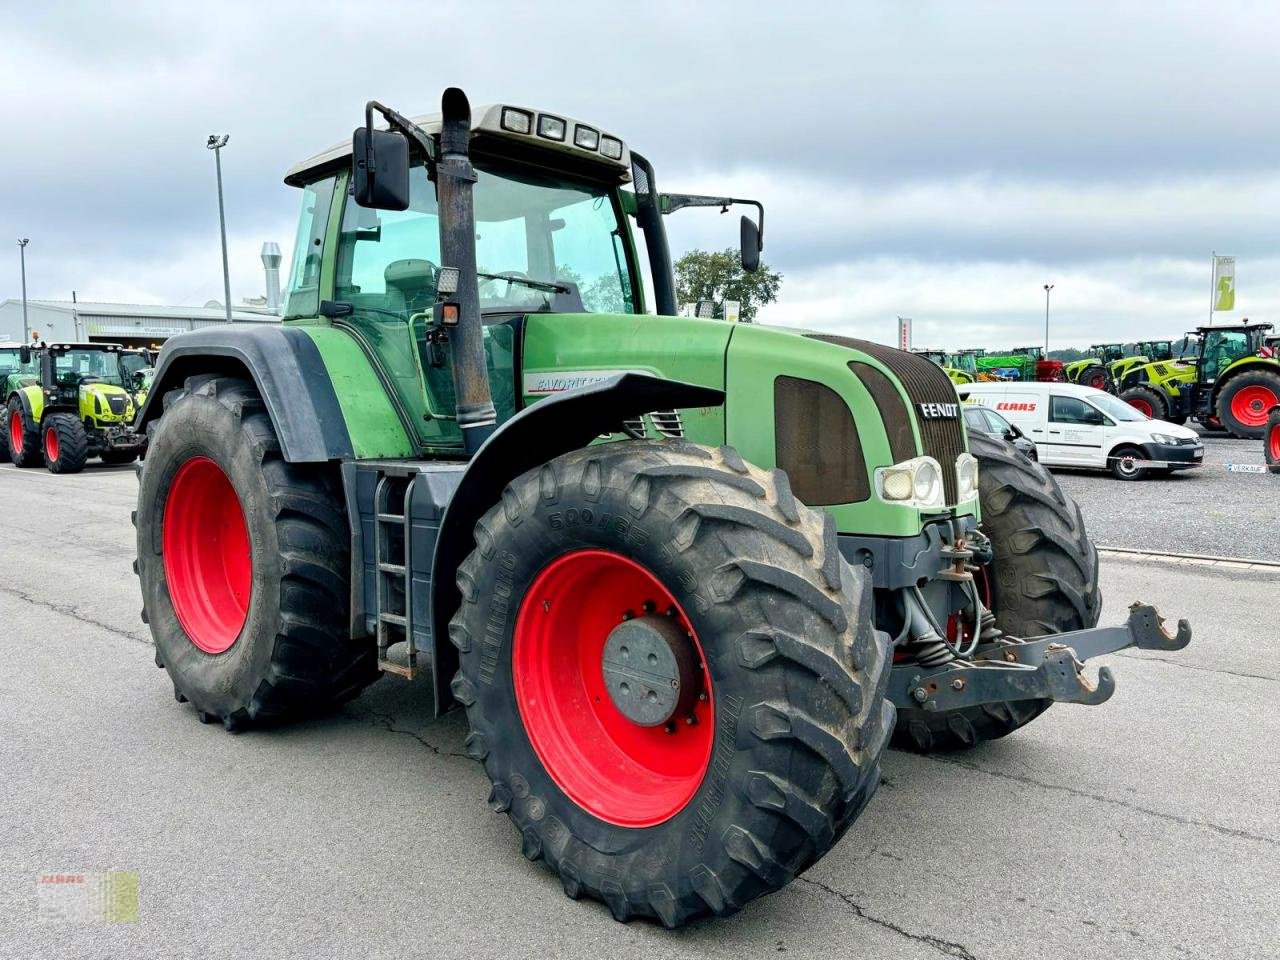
[(1076, 432)]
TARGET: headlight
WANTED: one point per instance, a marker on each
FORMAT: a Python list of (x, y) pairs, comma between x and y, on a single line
[(966, 477), (550, 127), (916, 482), (1164, 438), (517, 121), (585, 137)]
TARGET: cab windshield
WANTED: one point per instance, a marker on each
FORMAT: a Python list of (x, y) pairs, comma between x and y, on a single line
[(11, 362), (133, 363), (1117, 409), (71, 367), (542, 242)]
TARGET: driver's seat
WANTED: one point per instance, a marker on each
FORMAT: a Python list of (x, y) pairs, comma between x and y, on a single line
[(411, 285)]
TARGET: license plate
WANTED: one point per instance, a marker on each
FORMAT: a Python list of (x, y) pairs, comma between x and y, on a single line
[(1246, 468)]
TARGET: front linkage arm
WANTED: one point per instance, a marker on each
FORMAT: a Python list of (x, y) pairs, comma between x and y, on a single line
[(1042, 668)]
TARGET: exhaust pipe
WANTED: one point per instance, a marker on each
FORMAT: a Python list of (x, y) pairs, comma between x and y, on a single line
[(455, 179)]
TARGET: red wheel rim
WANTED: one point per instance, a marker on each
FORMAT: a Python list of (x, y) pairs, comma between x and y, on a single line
[(15, 430), (1275, 443), (1142, 406), (206, 555), (1098, 381), (1251, 404), (51, 445), (614, 768)]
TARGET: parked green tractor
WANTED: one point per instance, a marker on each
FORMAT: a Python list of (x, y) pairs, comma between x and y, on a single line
[(684, 576), (17, 370), (947, 362), (74, 409), (1233, 379), (136, 372)]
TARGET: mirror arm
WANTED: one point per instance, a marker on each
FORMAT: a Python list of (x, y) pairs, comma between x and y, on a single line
[(404, 125), (671, 202)]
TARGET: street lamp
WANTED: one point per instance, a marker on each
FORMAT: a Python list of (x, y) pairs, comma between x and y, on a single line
[(1047, 288), (216, 143), (22, 256)]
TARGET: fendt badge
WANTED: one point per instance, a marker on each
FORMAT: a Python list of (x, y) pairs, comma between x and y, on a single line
[(938, 411)]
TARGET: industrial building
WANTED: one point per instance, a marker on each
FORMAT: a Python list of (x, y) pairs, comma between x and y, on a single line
[(132, 324)]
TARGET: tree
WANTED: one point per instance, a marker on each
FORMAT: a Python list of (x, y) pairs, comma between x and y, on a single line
[(718, 276)]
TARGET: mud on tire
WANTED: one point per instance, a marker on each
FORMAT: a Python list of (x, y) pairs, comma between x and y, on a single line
[(1044, 579), (293, 655), (797, 671)]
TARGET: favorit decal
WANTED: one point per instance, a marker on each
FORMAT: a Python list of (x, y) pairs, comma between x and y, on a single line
[(557, 381)]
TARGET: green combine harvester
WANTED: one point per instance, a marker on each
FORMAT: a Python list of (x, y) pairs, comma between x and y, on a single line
[(686, 578), (75, 408), (1232, 381)]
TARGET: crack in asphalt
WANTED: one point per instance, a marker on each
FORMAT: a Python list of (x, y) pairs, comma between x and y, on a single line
[(387, 722), (68, 610), (1193, 666), (1085, 794), (948, 948)]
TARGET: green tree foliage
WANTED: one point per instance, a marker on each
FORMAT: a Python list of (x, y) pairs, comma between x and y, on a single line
[(718, 276)]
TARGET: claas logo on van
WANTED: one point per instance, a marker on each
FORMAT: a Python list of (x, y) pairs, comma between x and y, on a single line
[(1011, 405)]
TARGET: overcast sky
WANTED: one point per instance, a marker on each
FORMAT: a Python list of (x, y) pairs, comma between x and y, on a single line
[(937, 160)]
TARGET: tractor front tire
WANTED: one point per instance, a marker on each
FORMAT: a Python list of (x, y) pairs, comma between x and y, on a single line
[(66, 443), (244, 562), (23, 437), (1148, 401), (1095, 375), (1043, 579), (774, 747), (1245, 400)]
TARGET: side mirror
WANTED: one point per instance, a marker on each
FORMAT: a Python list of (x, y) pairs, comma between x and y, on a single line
[(750, 235), (24, 355), (379, 167), (1014, 432)]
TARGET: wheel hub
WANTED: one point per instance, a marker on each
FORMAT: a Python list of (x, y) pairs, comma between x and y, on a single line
[(650, 670)]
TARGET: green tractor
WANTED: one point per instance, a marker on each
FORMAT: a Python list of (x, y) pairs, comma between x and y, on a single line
[(75, 408), (945, 361), (1231, 380), (136, 372), (17, 371), (1096, 370), (686, 578)]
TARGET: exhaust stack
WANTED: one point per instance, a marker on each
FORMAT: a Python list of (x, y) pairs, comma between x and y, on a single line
[(271, 266), (455, 179)]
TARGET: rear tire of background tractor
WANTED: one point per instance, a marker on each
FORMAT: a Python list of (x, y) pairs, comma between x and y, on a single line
[(118, 457), (1271, 443), (66, 444), (1096, 376), (244, 562), (1148, 401), (1043, 579), (29, 452), (1243, 404), (785, 749)]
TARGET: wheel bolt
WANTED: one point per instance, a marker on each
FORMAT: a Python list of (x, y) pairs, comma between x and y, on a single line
[(957, 684), (691, 719)]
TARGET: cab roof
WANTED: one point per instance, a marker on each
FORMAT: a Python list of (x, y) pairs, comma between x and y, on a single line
[(488, 119)]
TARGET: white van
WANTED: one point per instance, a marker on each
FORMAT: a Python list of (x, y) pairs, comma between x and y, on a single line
[(1077, 426)]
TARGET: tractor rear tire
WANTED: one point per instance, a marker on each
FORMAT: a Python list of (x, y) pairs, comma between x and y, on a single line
[(66, 444), (244, 562), (770, 768), (1245, 400), (1271, 443), (1148, 401), (23, 437), (1043, 579)]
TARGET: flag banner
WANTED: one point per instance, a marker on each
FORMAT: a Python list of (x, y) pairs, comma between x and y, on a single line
[(904, 333), (1224, 283)]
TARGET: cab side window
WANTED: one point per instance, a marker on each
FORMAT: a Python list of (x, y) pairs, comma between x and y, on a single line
[(303, 298), (1073, 410)]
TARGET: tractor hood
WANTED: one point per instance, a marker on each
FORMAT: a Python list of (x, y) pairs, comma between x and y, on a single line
[(106, 403)]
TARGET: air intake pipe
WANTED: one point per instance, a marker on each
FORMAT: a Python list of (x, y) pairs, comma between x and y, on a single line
[(455, 178)]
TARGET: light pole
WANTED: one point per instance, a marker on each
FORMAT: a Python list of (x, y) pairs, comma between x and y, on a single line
[(1047, 288), (216, 143), (22, 257)]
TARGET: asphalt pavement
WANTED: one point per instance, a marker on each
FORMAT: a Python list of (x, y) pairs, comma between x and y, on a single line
[(1148, 827), (1208, 511)]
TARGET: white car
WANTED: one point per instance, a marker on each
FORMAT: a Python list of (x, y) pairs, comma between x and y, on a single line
[(1077, 426)]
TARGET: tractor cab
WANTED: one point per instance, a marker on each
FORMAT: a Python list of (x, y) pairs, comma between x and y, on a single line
[(1155, 350), (136, 371), (17, 367)]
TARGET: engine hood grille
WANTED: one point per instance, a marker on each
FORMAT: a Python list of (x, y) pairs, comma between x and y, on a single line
[(924, 382)]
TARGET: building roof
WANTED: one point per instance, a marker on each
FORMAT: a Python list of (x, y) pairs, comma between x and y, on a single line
[(90, 308)]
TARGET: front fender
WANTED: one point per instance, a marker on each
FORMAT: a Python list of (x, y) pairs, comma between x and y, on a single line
[(552, 426), (286, 367)]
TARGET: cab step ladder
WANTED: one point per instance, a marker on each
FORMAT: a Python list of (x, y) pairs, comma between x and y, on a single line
[(392, 553)]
